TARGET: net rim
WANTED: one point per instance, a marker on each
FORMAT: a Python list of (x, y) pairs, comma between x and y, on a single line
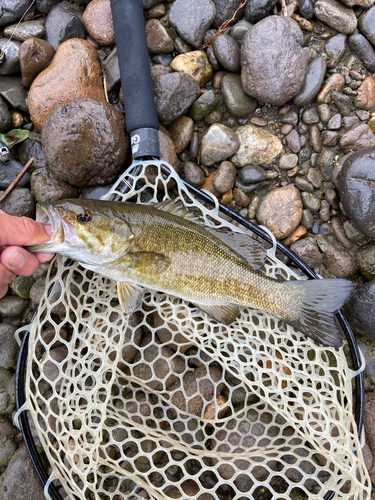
[(20, 375)]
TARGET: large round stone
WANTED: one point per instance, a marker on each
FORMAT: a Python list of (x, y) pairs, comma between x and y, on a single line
[(281, 211), (357, 190), (360, 309), (274, 65), (84, 142)]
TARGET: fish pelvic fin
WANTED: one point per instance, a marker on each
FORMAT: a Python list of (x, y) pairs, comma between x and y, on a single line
[(129, 296), (321, 298)]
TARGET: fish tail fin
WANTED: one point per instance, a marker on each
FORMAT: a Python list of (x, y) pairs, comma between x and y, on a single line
[(320, 300)]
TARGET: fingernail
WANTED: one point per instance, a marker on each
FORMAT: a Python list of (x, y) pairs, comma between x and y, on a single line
[(17, 260), (48, 229)]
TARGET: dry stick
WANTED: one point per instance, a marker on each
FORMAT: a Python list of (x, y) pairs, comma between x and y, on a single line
[(224, 26), (17, 179)]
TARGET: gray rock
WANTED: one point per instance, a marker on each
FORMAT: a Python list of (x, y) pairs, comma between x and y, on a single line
[(310, 116), (357, 190), (357, 138), (13, 92), (20, 202), (7, 398), (9, 346), (174, 94), (12, 10), (306, 8), (9, 171), (258, 9), (308, 251), (363, 50), (5, 117), (310, 201), (303, 184), (290, 118), (274, 65), (366, 24), (336, 46), (88, 117), (25, 30), (330, 138), (194, 175), (337, 261), (227, 52), (238, 103), (112, 70), (192, 18), (44, 6), (314, 80), (203, 105), (224, 177), (12, 62), (225, 10), (20, 480), (218, 144), (350, 121), (360, 309), (343, 102), (181, 131), (64, 22), (239, 30), (324, 112), (32, 147), (253, 174), (336, 15), (158, 39), (12, 306), (335, 122), (288, 161), (293, 141), (366, 260), (7, 449), (325, 164), (164, 59), (46, 187)]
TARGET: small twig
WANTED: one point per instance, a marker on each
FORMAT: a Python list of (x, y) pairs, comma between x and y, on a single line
[(17, 179), (224, 26)]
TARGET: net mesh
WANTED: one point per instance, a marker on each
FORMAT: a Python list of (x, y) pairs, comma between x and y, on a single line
[(167, 403)]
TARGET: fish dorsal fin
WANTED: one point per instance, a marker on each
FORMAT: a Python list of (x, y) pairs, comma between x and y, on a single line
[(223, 313), (177, 208), (129, 296), (251, 250), (148, 262)]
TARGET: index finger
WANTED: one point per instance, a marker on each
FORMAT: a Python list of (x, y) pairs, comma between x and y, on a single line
[(21, 231)]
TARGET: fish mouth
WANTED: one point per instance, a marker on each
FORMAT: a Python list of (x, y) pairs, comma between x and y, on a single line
[(47, 216)]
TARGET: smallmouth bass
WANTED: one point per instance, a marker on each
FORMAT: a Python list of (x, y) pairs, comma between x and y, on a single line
[(162, 247)]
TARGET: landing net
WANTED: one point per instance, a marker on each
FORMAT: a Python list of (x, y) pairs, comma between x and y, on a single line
[(168, 404)]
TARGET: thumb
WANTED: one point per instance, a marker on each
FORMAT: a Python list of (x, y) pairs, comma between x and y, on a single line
[(22, 231)]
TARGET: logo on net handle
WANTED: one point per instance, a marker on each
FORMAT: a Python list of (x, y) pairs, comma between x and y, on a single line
[(135, 143)]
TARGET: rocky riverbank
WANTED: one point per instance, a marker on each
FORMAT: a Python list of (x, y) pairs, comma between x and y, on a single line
[(275, 116)]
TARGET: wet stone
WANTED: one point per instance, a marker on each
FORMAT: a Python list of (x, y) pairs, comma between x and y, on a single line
[(366, 24), (46, 187), (158, 39), (239, 30), (253, 174), (218, 144), (224, 177), (365, 99), (315, 139), (97, 19), (12, 10), (87, 117), (291, 118), (310, 116), (338, 262), (25, 30), (215, 116), (324, 112), (336, 46), (330, 138), (335, 122), (349, 121), (30, 148), (35, 55), (203, 105), (174, 94), (192, 18), (280, 211), (357, 191), (325, 164), (5, 116), (293, 141), (225, 9), (306, 8), (258, 9), (343, 102), (362, 48), (310, 202), (336, 15), (362, 114), (286, 128), (21, 286), (366, 260), (314, 176), (181, 131), (357, 138), (303, 184), (227, 52), (9, 346), (288, 161), (181, 46), (10, 49), (64, 22), (262, 60), (12, 306), (360, 309), (238, 103), (194, 64), (44, 6), (335, 82), (313, 83), (9, 171), (20, 202)]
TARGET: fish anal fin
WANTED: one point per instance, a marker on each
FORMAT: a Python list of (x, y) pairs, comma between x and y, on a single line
[(148, 262), (251, 250), (129, 296), (223, 313)]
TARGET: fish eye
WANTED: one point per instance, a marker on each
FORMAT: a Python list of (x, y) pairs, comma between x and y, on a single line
[(85, 217)]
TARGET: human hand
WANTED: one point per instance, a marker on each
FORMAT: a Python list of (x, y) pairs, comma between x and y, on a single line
[(15, 232)]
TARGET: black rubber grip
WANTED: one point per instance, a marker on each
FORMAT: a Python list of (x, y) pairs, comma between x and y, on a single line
[(134, 64)]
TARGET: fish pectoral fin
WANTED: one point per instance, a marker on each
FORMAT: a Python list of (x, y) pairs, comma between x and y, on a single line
[(251, 250), (148, 262), (129, 296), (224, 313)]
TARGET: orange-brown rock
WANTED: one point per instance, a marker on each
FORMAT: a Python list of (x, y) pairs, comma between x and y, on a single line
[(97, 19), (208, 186), (73, 73), (366, 94), (296, 235), (35, 55)]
